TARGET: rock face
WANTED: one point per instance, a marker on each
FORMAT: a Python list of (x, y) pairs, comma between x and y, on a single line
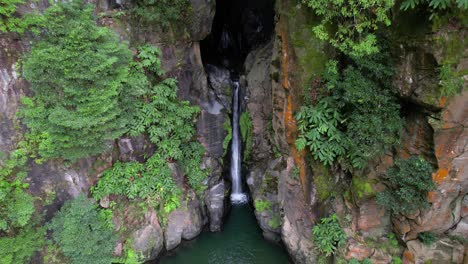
[(149, 239), (183, 223), (442, 251)]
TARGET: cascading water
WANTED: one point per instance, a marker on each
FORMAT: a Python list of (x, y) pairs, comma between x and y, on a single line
[(237, 195)]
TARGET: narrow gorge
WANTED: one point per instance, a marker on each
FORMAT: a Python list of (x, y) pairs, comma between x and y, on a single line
[(247, 131)]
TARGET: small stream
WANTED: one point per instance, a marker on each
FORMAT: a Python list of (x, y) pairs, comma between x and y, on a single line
[(240, 242)]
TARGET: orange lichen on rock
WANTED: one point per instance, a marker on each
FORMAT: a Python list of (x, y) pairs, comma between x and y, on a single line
[(408, 257), (431, 196), (440, 175), (442, 101), (289, 120)]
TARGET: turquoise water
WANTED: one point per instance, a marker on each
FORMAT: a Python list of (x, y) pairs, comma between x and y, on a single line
[(240, 242)]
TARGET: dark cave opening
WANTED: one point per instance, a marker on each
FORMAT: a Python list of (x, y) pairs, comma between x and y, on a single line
[(238, 27)]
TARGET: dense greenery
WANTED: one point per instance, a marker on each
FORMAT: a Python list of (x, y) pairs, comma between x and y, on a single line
[(81, 233), (151, 181), (427, 238), (11, 22), (355, 21), (328, 235), (408, 183), (20, 248), (77, 72), (435, 4), (16, 205), (356, 118), (161, 13), (168, 122)]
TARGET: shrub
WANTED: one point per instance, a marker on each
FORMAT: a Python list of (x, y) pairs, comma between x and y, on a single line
[(262, 205), (77, 72), (16, 205), (81, 234), (355, 21), (21, 247), (11, 22), (427, 238), (328, 235), (161, 13), (434, 4), (356, 119), (150, 181), (408, 182)]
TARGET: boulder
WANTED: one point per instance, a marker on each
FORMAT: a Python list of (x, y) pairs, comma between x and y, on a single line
[(441, 252), (202, 12), (183, 223), (215, 205), (148, 240)]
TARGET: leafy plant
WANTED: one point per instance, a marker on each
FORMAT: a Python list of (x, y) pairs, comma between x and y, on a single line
[(78, 220), (11, 22), (77, 71), (356, 119), (161, 13), (21, 247), (451, 84), (318, 126), (227, 139), (355, 23), (364, 261), (427, 238), (434, 4), (150, 181), (16, 205), (408, 182), (262, 205), (328, 235)]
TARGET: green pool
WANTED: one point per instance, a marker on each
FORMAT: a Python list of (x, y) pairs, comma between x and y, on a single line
[(240, 242)]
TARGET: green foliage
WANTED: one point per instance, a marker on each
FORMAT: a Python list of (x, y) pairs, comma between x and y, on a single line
[(408, 183), (81, 233), (361, 187), (167, 120), (397, 260), (21, 247), (78, 72), (364, 261), (227, 127), (16, 205), (169, 124), (434, 4), (359, 117), (274, 222), (328, 235), (295, 172), (355, 23), (427, 238), (11, 22), (150, 181), (161, 13), (262, 205), (319, 130), (246, 129), (451, 84)]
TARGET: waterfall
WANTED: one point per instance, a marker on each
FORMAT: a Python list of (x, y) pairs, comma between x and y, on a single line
[(237, 196)]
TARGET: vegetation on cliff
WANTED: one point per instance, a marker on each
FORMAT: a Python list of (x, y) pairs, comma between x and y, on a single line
[(78, 72), (408, 183), (356, 118)]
